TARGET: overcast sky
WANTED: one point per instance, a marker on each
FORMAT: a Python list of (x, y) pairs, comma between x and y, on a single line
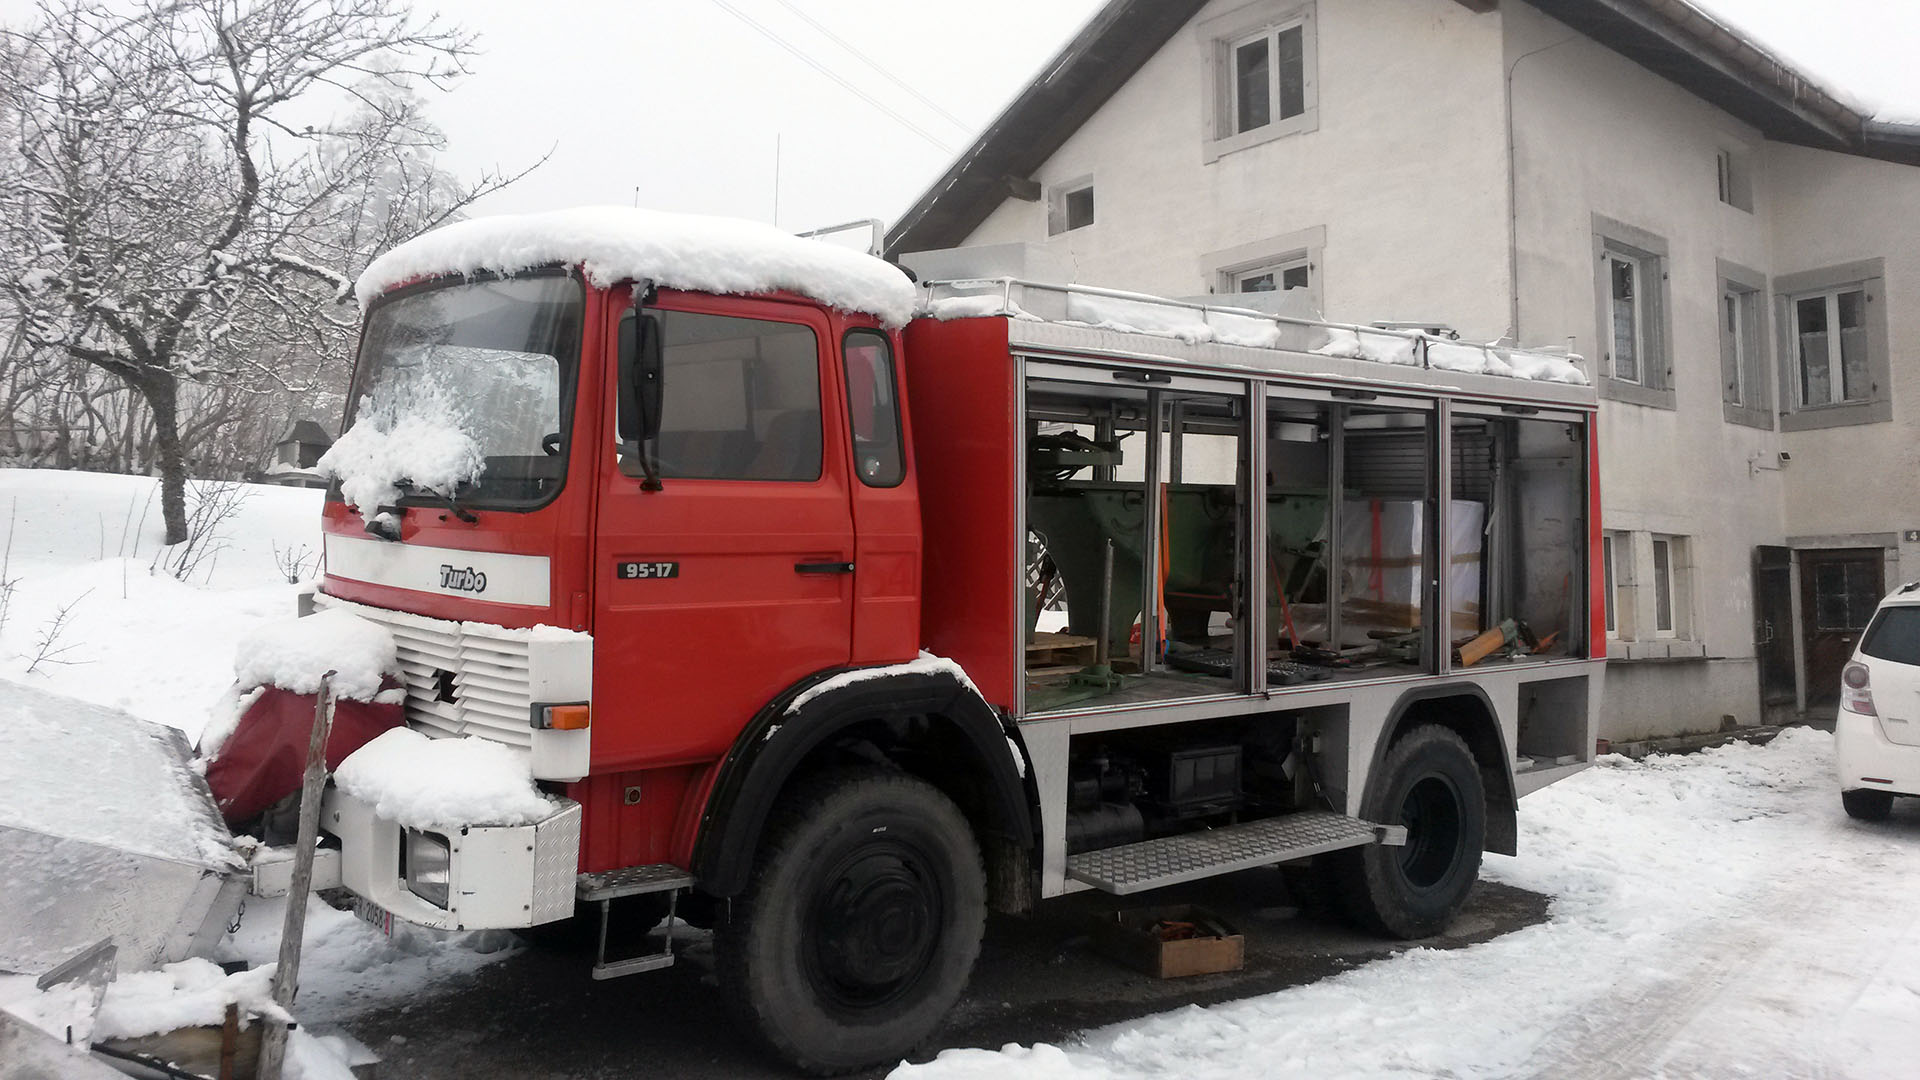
[(680, 103)]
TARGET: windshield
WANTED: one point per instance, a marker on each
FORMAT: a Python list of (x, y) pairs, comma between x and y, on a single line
[(499, 357)]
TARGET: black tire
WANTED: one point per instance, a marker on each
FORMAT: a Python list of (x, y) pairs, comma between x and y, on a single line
[(1865, 804), (1429, 783), (860, 925)]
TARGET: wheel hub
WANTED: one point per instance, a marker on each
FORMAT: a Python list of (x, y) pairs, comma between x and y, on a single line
[(1433, 816), (875, 920)]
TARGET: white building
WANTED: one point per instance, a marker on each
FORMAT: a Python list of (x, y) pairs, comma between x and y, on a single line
[(1627, 177)]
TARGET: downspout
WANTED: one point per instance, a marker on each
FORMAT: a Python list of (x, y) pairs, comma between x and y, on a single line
[(1513, 197)]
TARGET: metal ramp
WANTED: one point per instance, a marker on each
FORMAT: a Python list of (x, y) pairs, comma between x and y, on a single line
[(1169, 860), (605, 888)]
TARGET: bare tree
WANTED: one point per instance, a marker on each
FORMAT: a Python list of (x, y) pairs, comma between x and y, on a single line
[(175, 214)]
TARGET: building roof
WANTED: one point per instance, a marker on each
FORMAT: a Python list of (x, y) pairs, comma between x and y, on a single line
[(1671, 38), (307, 431)]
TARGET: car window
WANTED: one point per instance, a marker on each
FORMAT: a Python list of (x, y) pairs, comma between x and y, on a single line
[(1894, 635)]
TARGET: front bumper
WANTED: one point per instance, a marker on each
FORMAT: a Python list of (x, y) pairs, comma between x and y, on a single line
[(497, 876), (1862, 750)]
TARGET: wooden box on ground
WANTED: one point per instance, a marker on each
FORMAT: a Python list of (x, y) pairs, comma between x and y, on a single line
[(1171, 942)]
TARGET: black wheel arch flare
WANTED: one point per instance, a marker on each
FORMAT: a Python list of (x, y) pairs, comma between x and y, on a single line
[(777, 743), (1475, 721)]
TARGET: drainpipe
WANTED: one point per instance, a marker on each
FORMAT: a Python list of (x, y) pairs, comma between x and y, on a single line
[(1513, 198)]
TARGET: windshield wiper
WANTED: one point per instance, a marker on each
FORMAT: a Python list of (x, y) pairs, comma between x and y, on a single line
[(447, 497)]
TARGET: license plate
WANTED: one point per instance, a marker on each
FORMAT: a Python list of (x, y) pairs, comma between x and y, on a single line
[(374, 915)]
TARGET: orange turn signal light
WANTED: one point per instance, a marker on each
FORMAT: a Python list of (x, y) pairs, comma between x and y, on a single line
[(569, 717)]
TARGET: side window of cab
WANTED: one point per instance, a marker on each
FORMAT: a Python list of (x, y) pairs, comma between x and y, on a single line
[(873, 409), (740, 398)]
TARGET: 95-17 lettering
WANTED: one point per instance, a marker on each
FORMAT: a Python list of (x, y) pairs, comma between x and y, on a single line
[(645, 571)]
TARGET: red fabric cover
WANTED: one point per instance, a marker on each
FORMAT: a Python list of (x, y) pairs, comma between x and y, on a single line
[(262, 761)]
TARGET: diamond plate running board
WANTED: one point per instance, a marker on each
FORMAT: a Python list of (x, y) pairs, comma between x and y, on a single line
[(1169, 860)]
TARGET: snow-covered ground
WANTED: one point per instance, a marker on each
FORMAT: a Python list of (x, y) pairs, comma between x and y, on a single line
[(1715, 915), (134, 637)]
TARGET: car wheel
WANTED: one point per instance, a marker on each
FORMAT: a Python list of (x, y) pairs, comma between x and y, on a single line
[(1429, 783), (860, 924), (1865, 804)]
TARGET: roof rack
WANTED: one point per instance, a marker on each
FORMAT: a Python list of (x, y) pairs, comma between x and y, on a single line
[(1195, 322)]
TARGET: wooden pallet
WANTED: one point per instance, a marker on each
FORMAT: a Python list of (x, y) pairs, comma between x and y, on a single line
[(1057, 650)]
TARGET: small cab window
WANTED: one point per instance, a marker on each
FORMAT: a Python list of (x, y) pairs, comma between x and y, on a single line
[(1894, 635), (873, 411), (740, 399)]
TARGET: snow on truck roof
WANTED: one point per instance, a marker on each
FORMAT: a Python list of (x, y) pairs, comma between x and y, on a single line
[(1197, 324), (678, 251)]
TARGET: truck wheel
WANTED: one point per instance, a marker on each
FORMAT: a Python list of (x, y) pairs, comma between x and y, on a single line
[(1865, 804), (860, 924), (1429, 783)]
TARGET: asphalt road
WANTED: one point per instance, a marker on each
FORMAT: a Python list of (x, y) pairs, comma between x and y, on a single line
[(1040, 978)]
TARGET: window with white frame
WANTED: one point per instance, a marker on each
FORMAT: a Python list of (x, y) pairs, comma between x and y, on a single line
[(1261, 76), (1671, 594), (1626, 317), (1833, 351), (1616, 568), (1295, 273), (1606, 571), (1829, 336), (1745, 383), (1288, 264), (1630, 295), (1069, 206)]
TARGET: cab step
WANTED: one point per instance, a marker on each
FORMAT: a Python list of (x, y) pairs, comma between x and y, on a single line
[(605, 888), (1169, 860)]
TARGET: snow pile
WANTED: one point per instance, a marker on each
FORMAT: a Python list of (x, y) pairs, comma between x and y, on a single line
[(978, 306), (1715, 915), (443, 784), (411, 433), (191, 993), (82, 772), (292, 654), (680, 251), (1405, 349)]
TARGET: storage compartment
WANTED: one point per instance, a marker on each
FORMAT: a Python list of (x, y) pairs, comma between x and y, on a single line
[(1553, 722)]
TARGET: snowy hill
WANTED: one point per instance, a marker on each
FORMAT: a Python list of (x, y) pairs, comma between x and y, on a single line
[(134, 636)]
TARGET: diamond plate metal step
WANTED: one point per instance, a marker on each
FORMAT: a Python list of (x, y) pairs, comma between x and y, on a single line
[(631, 881), (1169, 860)]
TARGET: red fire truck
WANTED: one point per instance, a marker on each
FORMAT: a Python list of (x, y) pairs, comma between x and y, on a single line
[(832, 613)]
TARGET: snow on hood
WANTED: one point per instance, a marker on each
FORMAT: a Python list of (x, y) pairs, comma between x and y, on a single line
[(680, 251)]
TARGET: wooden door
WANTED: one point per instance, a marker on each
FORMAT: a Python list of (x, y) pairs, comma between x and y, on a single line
[(1839, 588)]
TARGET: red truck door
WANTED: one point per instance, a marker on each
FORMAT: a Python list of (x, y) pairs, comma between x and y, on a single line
[(734, 580), (886, 507)]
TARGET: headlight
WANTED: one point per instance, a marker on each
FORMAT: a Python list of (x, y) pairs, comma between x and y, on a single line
[(428, 866)]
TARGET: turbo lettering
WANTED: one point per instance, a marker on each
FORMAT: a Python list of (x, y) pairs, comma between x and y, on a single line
[(465, 579)]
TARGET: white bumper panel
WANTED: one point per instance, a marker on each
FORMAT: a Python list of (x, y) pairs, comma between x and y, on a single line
[(477, 575), (1861, 749), (499, 876)]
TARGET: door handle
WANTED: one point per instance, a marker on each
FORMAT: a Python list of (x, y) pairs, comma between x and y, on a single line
[(823, 568)]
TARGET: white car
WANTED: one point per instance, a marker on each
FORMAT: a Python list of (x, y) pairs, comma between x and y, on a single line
[(1877, 736)]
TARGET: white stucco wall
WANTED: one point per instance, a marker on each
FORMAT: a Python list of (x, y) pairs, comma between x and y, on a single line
[(1408, 148), (1834, 209), (1596, 133)]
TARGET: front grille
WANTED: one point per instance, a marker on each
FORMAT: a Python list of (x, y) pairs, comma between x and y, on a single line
[(490, 667)]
